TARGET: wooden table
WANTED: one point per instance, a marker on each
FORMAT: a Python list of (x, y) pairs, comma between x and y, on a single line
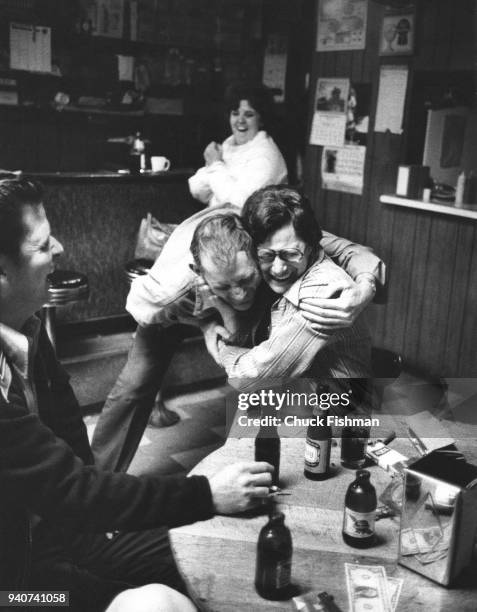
[(217, 557)]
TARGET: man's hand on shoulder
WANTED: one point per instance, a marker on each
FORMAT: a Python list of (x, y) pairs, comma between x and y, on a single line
[(213, 333), (345, 302), (240, 486)]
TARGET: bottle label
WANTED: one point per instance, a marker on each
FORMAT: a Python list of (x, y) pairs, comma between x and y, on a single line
[(317, 453), (283, 574), (358, 524)]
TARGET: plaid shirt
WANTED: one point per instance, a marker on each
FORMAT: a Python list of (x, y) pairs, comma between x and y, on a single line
[(293, 348)]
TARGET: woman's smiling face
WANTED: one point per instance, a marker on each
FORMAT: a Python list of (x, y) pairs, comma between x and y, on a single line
[(287, 261), (244, 123)]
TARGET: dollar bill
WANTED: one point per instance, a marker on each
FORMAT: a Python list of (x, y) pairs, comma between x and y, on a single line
[(367, 588), (394, 590), (414, 541)]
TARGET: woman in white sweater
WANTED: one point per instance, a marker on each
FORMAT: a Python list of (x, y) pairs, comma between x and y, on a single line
[(247, 160)]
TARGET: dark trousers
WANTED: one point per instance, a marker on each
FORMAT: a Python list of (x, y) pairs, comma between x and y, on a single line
[(94, 568), (128, 407)]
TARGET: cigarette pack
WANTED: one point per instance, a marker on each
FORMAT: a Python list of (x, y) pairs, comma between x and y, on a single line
[(387, 458)]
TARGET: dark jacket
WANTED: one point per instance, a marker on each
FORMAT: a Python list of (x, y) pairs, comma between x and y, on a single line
[(46, 469)]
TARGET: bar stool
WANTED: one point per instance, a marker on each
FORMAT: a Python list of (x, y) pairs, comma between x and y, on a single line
[(161, 416), (66, 287)]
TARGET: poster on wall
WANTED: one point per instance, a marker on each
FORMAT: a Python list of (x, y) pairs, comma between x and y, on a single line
[(397, 34), (330, 116), (341, 25), (342, 168)]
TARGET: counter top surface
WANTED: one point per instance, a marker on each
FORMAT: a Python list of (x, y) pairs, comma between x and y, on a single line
[(169, 176)]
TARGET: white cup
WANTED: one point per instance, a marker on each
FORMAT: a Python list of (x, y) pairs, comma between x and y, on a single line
[(160, 163)]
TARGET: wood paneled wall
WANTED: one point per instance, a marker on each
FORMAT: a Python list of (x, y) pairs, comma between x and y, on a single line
[(431, 312)]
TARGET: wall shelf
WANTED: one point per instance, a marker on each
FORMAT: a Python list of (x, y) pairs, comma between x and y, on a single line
[(438, 207)]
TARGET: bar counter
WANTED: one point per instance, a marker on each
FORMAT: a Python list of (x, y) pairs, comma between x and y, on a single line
[(171, 176), (96, 216)]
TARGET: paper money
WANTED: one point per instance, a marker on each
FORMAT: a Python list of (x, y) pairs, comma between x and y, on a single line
[(414, 541), (367, 588), (394, 590)]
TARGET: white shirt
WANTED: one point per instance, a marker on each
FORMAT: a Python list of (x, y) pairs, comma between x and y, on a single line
[(244, 169)]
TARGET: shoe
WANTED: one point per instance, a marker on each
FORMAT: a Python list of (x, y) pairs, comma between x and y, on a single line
[(162, 416)]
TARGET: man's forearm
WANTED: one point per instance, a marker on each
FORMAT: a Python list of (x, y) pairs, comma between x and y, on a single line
[(354, 258)]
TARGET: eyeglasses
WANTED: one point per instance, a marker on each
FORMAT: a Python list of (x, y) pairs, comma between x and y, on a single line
[(288, 255)]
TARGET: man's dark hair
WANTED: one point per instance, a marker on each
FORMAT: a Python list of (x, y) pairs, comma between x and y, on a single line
[(260, 98), (14, 195), (221, 237), (271, 208)]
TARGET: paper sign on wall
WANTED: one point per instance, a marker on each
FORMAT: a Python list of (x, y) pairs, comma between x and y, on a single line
[(342, 168), (391, 99), (30, 47), (341, 25)]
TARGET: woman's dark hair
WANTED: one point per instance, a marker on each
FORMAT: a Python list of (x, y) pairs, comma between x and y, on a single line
[(271, 208), (14, 195), (260, 98)]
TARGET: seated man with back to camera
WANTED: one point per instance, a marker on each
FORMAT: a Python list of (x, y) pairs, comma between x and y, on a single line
[(234, 283), (56, 504)]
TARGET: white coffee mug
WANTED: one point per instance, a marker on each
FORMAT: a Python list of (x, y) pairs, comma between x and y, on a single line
[(160, 163)]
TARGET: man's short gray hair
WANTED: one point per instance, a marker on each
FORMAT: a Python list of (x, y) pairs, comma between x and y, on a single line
[(220, 237)]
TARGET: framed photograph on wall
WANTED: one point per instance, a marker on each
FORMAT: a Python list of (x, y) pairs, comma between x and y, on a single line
[(398, 34)]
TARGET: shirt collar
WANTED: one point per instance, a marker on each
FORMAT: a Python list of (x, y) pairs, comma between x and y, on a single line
[(293, 294), (16, 348)]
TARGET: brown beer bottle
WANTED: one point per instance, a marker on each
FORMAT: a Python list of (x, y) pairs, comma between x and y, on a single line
[(318, 448), (274, 559), (267, 446), (360, 512)]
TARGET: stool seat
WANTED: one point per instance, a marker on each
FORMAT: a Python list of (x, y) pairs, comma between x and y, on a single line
[(66, 286), (137, 267)]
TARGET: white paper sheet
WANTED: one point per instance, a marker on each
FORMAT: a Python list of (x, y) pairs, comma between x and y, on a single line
[(391, 99), (30, 47)]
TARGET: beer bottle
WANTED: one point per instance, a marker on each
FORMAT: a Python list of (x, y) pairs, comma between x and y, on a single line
[(353, 447), (274, 559), (360, 512), (318, 448), (267, 444)]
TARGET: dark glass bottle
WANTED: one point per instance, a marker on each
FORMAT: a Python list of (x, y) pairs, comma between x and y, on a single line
[(137, 157), (353, 447), (274, 559), (360, 512), (267, 448), (318, 449)]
